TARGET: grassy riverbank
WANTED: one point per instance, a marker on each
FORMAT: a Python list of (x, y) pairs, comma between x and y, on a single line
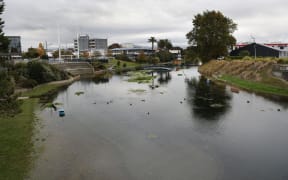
[(41, 90), (16, 133), (255, 86), (253, 75), (16, 142)]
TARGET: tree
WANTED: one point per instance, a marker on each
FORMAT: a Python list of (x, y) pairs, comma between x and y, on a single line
[(164, 44), (4, 41), (152, 40), (41, 51), (6, 84), (164, 56), (114, 45), (211, 35), (141, 58), (63, 52), (31, 53)]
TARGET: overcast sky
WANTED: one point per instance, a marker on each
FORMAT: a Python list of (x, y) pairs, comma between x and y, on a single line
[(134, 21)]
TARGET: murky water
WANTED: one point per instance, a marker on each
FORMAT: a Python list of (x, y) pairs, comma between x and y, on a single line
[(188, 128)]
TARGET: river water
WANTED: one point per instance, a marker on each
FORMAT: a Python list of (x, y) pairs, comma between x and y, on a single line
[(187, 128)]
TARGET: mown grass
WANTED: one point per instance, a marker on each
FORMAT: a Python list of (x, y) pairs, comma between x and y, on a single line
[(16, 143), (114, 63), (255, 86), (41, 90), (16, 134)]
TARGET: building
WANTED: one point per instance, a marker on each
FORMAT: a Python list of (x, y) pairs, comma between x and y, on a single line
[(275, 45), (82, 43), (132, 52), (14, 47), (87, 44), (260, 50)]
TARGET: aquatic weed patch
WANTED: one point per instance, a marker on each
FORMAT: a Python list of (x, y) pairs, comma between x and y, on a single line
[(140, 77)]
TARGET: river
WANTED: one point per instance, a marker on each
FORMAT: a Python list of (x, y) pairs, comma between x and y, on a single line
[(187, 128)]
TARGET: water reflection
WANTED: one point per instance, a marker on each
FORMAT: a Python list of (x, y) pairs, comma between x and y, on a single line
[(102, 79), (164, 77), (208, 100)]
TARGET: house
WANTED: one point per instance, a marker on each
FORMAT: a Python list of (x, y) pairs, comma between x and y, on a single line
[(260, 50)]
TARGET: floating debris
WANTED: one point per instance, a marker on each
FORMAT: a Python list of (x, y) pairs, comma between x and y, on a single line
[(130, 104), (51, 105), (181, 102), (278, 110), (234, 90), (180, 74), (152, 136), (58, 104), (78, 93), (161, 92), (148, 113), (143, 100), (156, 86), (248, 101), (216, 105), (138, 91)]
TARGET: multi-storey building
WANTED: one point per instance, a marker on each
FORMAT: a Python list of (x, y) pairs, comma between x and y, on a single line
[(84, 43), (14, 45)]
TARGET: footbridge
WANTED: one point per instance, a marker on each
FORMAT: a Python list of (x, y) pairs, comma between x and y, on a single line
[(158, 68)]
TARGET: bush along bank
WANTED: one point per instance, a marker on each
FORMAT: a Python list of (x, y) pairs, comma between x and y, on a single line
[(251, 75)]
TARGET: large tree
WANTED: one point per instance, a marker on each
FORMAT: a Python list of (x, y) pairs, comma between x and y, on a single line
[(114, 45), (164, 44), (211, 35), (152, 40), (4, 41)]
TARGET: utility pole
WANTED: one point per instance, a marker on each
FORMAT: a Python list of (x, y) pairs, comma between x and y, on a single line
[(78, 47), (59, 44)]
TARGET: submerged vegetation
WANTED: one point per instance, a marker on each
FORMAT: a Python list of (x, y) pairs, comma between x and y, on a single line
[(140, 77), (78, 93)]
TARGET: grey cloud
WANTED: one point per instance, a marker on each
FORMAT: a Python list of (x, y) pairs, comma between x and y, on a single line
[(135, 21)]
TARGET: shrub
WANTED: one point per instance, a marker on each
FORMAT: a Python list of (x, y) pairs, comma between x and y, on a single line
[(29, 83), (247, 58)]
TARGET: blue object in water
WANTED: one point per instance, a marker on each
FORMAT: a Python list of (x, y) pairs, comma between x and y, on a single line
[(61, 112)]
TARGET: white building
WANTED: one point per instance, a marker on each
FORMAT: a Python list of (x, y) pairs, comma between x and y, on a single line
[(87, 44)]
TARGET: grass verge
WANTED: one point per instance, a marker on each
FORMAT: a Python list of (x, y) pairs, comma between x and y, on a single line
[(41, 90), (16, 145), (16, 134), (255, 86), (114, 63)]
